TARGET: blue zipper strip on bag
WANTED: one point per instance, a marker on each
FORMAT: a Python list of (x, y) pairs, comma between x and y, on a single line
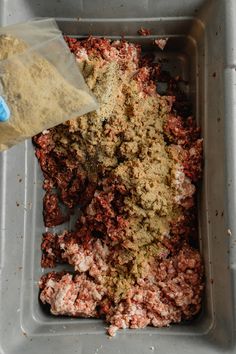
[(4, 110)]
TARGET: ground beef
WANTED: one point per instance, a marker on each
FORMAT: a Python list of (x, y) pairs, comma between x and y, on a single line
[(128, 173), (172, 292), (161, 42), (70, 295), (144, 32), (181, 132), (51, 253), (62, 170), (103, 218), (51, 210)]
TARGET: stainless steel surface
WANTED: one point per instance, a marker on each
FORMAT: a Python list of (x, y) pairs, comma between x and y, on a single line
[(202, 48)]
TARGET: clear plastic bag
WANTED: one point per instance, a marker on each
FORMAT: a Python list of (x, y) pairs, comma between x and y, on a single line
[(40, 81)]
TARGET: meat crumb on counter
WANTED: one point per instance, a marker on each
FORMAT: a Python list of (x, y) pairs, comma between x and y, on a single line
[(161, 42), (144, 32), (129, 174)]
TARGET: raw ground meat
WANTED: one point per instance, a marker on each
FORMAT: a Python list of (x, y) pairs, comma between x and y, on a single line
[(144, 32), (171, 292), (71, 295), (128, 172), (161, 42)]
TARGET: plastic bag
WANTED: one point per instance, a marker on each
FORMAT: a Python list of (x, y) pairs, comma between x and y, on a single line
[(40, 82)]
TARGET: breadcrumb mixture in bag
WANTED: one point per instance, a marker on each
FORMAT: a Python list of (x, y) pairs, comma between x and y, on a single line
[(40, 83)]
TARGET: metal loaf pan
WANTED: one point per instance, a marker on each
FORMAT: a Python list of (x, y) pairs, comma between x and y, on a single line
[(201, 48)]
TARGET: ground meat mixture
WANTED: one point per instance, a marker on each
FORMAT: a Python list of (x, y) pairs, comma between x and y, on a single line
[(128, 173), (71, 295)]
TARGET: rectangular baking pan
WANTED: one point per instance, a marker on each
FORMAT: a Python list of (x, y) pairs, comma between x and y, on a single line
[(201, 48)]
